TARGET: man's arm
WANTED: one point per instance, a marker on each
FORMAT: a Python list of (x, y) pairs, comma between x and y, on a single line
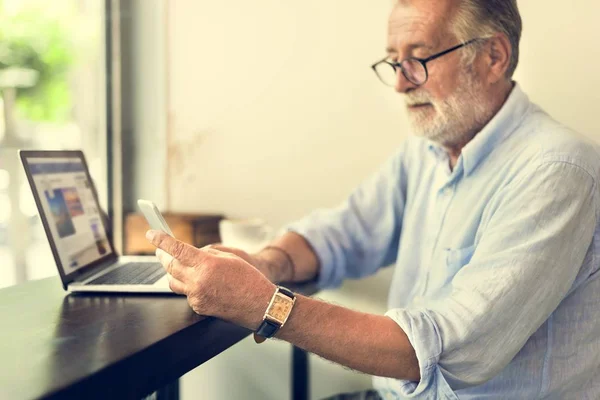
[(368, 343), (300, 265), (289, 258)]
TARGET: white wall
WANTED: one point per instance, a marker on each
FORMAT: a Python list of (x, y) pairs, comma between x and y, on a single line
[(274, 111), (268, 98), (560, 53)]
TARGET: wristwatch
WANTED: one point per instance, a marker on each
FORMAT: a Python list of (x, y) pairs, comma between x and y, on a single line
[(277, 313)]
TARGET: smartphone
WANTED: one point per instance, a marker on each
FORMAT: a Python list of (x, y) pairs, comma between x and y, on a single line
[(154, 217)]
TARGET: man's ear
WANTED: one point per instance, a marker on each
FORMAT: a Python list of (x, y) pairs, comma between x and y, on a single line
[(499, 52)]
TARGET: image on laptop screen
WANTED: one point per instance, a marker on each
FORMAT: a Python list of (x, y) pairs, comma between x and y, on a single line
[(71, 211)]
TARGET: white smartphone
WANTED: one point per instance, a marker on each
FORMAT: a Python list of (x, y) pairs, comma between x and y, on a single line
[(154, 217)]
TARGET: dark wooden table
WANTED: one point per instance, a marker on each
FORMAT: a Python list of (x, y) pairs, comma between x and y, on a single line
[(55, 345)]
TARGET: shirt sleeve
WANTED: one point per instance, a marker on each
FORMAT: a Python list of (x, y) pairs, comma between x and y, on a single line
[(529, 251), (362, 234)]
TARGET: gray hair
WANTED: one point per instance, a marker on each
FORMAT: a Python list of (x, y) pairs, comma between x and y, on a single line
[(483, 18)]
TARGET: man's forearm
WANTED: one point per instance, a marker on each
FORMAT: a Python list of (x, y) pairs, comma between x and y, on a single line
[(368, 343), (304, 264)]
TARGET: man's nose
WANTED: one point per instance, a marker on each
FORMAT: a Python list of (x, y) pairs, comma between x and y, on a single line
[(403, 85)]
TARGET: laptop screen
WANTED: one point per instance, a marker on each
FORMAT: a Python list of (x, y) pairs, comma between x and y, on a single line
[(69, 207)]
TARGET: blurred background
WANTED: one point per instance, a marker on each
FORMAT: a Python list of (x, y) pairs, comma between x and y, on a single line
[(243, 109)]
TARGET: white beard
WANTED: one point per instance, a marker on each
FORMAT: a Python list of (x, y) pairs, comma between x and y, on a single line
[(455, 118)]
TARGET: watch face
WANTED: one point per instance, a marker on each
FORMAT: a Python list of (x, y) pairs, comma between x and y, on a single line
[(280, 308)]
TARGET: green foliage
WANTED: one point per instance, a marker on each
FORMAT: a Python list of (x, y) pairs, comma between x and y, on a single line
[(31, 40)]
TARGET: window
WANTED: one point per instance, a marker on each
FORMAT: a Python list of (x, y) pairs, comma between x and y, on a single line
[(53, 96)]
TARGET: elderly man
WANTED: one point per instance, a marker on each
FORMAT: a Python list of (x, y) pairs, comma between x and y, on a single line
[(489, 214)]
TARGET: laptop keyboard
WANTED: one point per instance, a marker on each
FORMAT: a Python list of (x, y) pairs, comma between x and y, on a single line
[(131, 274)]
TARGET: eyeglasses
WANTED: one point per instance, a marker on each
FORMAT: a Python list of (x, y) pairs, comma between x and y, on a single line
[(414, 69)]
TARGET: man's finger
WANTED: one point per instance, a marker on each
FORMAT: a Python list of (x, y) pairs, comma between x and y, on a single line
[(177, 286), (185, 253), (220, 247), (172, 265), (212, 249)]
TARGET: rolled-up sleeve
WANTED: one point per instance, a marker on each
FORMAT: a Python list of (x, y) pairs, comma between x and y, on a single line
[(361, 235), (426, 339), (531, 245)]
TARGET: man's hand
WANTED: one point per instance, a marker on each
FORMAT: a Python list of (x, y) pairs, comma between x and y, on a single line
[(289, 258), (224, 285), (253, 259), (217, 283)]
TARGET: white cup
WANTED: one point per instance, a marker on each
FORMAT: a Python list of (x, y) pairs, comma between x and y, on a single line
[(247, 234)]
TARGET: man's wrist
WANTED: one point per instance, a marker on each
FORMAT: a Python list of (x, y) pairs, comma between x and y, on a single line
[(264, 265), (251, 312), (275, 263), (276, 314)]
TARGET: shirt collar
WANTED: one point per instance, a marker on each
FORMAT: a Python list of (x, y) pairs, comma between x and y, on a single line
[(499, 128), (502, 125), (437, 150)]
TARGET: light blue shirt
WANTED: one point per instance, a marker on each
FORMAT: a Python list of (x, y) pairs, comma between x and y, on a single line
[(496, 261)]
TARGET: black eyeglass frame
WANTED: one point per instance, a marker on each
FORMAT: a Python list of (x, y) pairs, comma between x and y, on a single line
[(422, 61)]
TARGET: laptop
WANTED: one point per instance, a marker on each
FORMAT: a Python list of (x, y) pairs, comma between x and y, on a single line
[(78, 231)]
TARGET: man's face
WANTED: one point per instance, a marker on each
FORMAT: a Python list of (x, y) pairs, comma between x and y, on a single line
[(451, 104)]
